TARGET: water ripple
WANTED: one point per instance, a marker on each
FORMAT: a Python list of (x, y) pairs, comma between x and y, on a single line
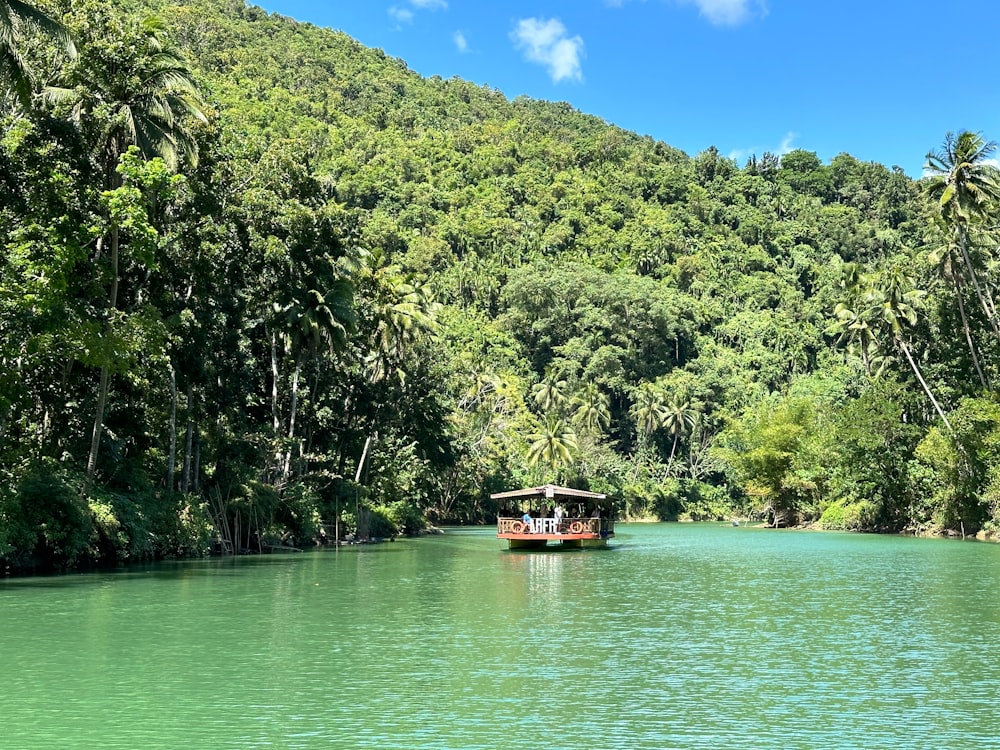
[(685, 636)]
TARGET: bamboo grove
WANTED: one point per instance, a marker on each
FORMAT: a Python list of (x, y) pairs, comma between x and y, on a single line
[(261, 286)]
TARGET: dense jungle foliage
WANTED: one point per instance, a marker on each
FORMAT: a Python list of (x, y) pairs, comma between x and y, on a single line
[(261, 285)]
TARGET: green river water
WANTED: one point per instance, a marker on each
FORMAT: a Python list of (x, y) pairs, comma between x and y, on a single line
[(681, 636)]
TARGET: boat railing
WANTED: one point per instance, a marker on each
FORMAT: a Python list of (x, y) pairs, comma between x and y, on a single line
[(597, 526)]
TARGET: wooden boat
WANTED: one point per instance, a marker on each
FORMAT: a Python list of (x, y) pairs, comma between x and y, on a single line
[(530, 518)]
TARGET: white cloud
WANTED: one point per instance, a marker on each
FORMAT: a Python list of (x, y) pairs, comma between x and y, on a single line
[(400, 15), (547, 43), (786, 144), (461, 43), (728, 12), (740, 155), (404, 14)]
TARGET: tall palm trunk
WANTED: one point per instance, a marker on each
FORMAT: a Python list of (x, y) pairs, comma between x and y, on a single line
[(985, 299), (673, 449), (923, 383), (866, 359), (968, 333), (172, 452), (287, 470), (102, 393), (188, 440), (196, 469), (274, 382)]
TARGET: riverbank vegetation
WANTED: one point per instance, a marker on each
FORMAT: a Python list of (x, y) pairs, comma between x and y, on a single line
[(262, 286)]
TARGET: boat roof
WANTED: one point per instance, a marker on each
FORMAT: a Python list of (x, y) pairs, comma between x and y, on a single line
[(549, 491)]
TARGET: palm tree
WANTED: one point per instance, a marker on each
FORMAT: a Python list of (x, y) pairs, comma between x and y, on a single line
[(943, 257), (131, 89), (16, 17), (678, 419), (134, 90), (965, 186), (881, 306), (649, 411), (894, 295), (964, 179), (404, 313), (550, 393), (592, 412), (311, 321), (554, 444), (853, 319), (852, 326)]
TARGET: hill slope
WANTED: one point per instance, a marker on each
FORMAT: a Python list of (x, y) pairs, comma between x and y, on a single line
[(378, 296)]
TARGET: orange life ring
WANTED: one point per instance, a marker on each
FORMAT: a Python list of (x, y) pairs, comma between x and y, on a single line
[(576, 527), (517, 527)]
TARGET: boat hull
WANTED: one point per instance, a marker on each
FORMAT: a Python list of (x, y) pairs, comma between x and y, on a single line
[(541, 541)]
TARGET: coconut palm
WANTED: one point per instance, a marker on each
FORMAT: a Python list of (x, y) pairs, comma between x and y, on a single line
[(134, 89), (853, 324), (592, 413), (310, 321), (881, 307), (964, 179), (678, 418), (944, 257), (649, 410), (895, 297), (404, 312), (852, 327), (965, 187), (131, 89), (550, 393), (401, 315), (16, 17), (554, 444)]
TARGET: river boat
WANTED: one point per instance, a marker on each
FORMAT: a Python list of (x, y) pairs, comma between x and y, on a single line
[(539, 517)]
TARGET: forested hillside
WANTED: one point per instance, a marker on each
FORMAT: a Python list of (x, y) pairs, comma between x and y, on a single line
[(261, 285)]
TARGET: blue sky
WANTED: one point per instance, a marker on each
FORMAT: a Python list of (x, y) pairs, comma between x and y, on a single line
[(883, 80)]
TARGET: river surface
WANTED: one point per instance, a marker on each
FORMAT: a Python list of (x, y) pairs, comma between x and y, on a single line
[(681, 636)]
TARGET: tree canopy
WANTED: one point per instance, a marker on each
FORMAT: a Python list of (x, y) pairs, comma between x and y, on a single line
[(260, 285)]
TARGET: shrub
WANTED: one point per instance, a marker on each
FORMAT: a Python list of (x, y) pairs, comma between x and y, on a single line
[(406, 517), (298, 514), (52, 527), (181, 527), (849, 516), (668, 500), (380, 523), (705, 502), (112, 541)]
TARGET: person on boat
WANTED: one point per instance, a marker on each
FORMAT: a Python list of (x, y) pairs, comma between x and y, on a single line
[(557, 514), (526, 520)]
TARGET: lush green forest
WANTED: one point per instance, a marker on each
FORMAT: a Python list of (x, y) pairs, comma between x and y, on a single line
[(261, 285)]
